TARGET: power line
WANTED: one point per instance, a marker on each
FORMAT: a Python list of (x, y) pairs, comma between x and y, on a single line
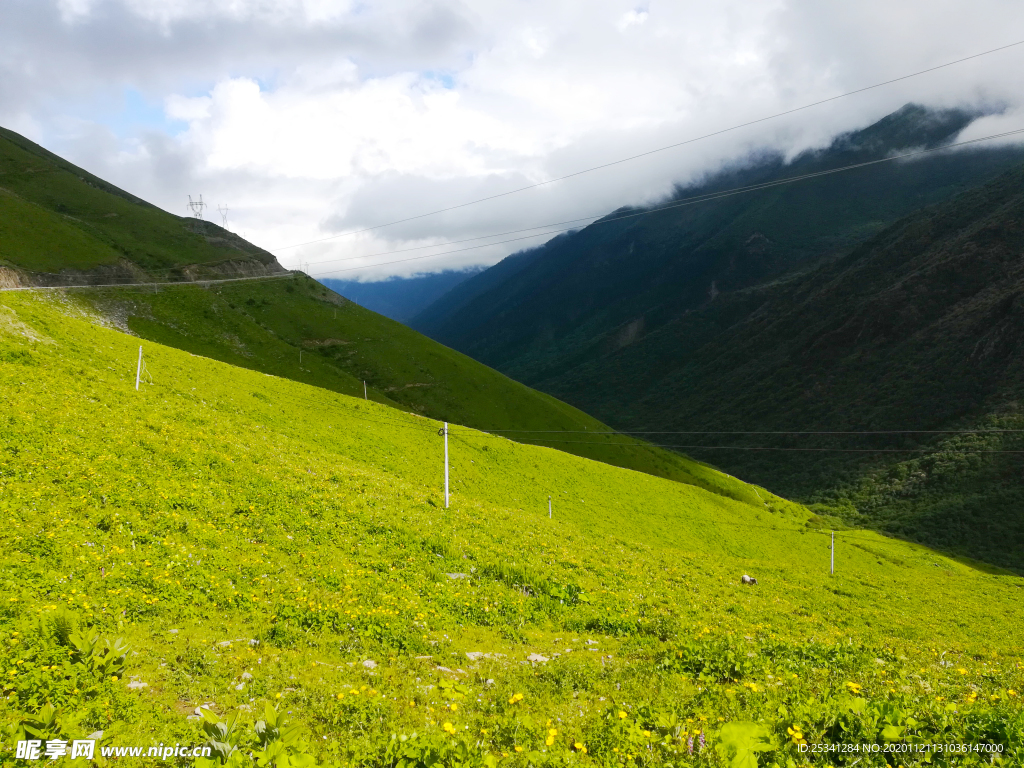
[(659, 149), (709, 197), (771, 448), (882, 538), (595, 219), (753, 432), (604, 444)]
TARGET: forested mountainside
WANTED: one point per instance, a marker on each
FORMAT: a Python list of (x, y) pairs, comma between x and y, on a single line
[(539, 314), (921, 328), (915, 328)]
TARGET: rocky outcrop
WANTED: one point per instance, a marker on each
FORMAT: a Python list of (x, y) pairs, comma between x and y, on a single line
[(9, 278)]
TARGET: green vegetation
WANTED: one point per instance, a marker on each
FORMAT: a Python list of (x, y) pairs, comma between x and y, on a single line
[(277, 556), (762, 314), (265, 325)]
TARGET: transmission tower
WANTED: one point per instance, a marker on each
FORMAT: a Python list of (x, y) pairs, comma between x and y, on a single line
[(196, 207), (223, 210)]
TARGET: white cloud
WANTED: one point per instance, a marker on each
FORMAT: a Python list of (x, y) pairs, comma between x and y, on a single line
[(632, 18), (314, 117)]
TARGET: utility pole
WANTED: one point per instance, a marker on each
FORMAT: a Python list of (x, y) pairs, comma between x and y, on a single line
[(196, 208), (832, 552), (444, 431), (138, 370), (223, 210), (549, 507), (364, 391)]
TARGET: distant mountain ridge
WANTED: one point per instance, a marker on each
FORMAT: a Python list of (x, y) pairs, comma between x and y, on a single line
[(401, 298)]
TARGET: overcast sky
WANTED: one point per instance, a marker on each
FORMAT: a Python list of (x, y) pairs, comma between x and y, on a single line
[(312, 118)]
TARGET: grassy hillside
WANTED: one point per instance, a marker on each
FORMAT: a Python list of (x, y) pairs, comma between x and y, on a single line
[(55, 216), (244, 541), (264, 326), (921, 328)]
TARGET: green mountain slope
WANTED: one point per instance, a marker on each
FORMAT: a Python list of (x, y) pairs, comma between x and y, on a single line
[(920, 328), (60, 225), (256, 550), (57, 217), (265, 325)]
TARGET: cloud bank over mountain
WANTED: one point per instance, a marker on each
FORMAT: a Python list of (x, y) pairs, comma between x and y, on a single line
[(311, 118)]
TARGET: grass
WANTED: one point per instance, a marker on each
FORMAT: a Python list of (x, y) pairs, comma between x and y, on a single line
[(31, 234), (266, 325), (273, 550)]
